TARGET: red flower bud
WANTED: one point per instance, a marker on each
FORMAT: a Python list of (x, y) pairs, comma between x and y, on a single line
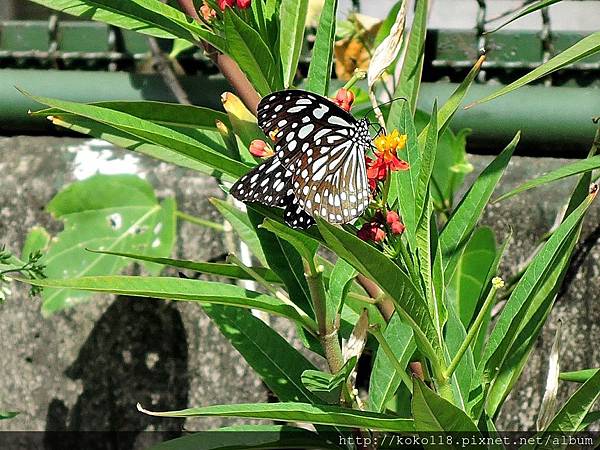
[(371, 232), (225, 3), (344, 99), (243, 4), (397, 227), (260, 149), (392, 217)]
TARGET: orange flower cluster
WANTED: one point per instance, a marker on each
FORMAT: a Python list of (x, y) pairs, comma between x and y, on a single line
[(386, 148), (242, 4)]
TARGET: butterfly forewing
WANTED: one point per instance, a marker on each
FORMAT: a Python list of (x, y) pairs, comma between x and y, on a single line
[(319, 163)]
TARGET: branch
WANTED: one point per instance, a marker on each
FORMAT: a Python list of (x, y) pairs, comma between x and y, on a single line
[(227, 66)]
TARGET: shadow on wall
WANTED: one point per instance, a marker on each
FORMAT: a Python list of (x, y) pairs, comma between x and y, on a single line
[(137, 352)]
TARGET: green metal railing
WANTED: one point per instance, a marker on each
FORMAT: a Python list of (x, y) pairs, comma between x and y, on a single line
[(46, 56)]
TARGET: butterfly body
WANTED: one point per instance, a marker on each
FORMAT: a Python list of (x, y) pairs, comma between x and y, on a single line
[(318, 169)]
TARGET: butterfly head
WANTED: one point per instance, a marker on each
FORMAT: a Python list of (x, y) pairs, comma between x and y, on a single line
[(362, 132)]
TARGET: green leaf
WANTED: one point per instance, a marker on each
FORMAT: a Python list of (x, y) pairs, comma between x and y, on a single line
[(328, 386), (251, 53), (403, 183), (589, 45), (433, 413), (248, 436), (8, 415), (410, 76), (285, 261), (144, 16), (134, 143), (340, 282), (220, 269), (428, 157), (242, 226), (470, 282), (578, 376), (564, 171), (181, 289), (461, 224), (305, 245), (293, 18), (319, 71), (151, 132), (464, 374), (37, 240), (537, 312), (162, 113), (278, 364), (384, 378), (514, 314), (299, 412), (449, 108), (394, 282), (525, 10), (574, 411), (589, 419), (108, 212)]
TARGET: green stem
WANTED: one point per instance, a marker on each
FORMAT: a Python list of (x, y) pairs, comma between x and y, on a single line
[(327, 331), (198, 221), (357, 75), (377, 334), (496, 283), (307, 321), (409, 262), (362, 298)]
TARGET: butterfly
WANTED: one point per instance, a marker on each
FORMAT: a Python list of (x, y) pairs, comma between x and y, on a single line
[(319, 167)]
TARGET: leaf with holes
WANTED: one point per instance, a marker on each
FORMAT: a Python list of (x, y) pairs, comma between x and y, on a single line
[(113, 213)]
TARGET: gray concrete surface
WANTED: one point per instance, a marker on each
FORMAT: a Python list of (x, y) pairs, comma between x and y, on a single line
[(86, 368)]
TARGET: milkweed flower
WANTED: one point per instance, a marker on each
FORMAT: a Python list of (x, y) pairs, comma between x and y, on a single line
[(371, 231), (386, 149), (207, 12), (344, 99), (260, 149), (225, 4), (243, 4)]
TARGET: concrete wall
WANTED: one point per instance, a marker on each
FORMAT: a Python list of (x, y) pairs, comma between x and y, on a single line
[(86, 368)]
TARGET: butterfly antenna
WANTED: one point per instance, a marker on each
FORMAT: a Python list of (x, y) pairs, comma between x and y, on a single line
[(386, 103)]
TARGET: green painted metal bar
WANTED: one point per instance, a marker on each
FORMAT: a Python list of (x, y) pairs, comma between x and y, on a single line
[(554, 121)]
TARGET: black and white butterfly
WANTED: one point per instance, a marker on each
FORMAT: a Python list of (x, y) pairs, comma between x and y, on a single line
[(319, 166)]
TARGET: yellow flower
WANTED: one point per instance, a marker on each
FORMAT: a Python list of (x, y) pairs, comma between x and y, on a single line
[(388, 145)]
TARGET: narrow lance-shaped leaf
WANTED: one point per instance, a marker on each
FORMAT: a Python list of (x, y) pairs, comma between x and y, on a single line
[(181, 289), (319, 72), (384, 377), (433, 413), (578, 376), (406, 297), (461, 224), (220, 269), (582, 49), (293, 18), (137, 144), (298, 412), (410, 76), (152, 132), (251, 53), (279, 364), (515, 310), (564, 171), (525, 10)]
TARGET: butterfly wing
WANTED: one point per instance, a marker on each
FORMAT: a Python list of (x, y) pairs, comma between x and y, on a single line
[(319, 165)]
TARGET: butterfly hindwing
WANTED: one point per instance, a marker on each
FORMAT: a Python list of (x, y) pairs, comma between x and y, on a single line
[(268, 183)]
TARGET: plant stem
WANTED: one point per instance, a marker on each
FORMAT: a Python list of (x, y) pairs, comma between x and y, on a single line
[(357, 75), (496, 284), (327, 331), (377, 334), (307, 321), (198, 221)]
